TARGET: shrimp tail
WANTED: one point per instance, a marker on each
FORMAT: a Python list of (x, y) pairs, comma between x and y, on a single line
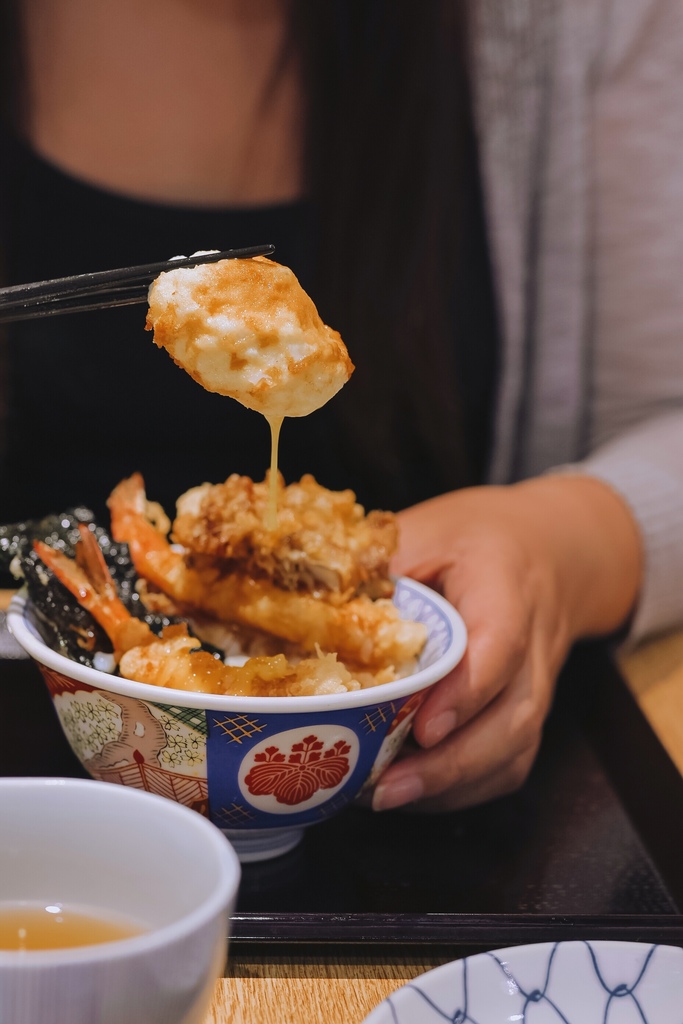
[(88, 579), (133, 522)]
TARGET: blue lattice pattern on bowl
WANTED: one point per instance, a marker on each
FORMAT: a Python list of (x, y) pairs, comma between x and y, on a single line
[(261, 768), (575, 982)]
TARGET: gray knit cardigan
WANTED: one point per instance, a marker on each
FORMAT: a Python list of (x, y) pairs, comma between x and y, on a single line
[(579, 111)]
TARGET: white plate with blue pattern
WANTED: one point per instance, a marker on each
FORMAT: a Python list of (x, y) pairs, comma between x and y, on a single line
[(574, 982)]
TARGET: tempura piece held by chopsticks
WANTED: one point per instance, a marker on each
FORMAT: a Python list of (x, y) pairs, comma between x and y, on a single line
[(247, 329)]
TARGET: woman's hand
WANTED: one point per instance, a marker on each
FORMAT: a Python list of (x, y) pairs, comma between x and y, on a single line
[(531, 568)]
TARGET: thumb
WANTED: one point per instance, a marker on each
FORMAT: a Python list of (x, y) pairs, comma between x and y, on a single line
[(420, 552)]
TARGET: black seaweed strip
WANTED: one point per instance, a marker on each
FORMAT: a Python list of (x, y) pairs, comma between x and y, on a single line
[(62, 622)]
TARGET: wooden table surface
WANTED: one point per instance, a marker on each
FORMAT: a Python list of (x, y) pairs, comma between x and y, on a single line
[(287, 992), (329, 990)]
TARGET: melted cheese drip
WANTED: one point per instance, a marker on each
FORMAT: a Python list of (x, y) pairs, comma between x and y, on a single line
[(275, 423)]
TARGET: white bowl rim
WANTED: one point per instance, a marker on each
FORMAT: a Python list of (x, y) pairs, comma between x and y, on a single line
[(383, 692), (220, 897)]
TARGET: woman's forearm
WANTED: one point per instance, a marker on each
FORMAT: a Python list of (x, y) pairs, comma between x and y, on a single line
[(595, 545)]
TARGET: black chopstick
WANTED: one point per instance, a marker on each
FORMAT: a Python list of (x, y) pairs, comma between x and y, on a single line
[(102, 289)]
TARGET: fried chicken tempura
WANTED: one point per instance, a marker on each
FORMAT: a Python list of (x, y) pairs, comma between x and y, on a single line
[(247, 329), (322, 539)]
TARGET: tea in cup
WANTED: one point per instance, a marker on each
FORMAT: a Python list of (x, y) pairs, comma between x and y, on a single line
[(114, 905)]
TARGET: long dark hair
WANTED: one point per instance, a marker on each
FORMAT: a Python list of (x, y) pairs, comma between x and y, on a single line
[(387, 114), (11, 60), (11, 103)]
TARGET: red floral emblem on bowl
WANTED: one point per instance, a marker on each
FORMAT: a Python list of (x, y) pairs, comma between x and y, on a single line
[(294, 777)]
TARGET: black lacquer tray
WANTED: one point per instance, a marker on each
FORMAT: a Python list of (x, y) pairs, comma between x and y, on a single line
[(591, 847)]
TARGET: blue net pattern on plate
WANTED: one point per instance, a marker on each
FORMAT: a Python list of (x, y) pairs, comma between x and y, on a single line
[(591, 985)]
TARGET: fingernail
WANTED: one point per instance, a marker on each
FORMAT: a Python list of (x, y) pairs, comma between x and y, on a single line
[(397, 793), (437, 727)]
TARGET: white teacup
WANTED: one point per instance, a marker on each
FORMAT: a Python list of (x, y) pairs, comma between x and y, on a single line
[(123, 855)]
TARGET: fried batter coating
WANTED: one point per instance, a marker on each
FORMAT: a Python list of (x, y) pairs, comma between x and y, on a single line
[(322, 539), (360, 631), (247, 329), (174, 661)]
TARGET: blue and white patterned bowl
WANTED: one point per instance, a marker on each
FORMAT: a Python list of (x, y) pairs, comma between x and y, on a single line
[(261, 768), (547, 983)]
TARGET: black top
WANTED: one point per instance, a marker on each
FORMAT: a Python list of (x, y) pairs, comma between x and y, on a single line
[(92, 399)]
